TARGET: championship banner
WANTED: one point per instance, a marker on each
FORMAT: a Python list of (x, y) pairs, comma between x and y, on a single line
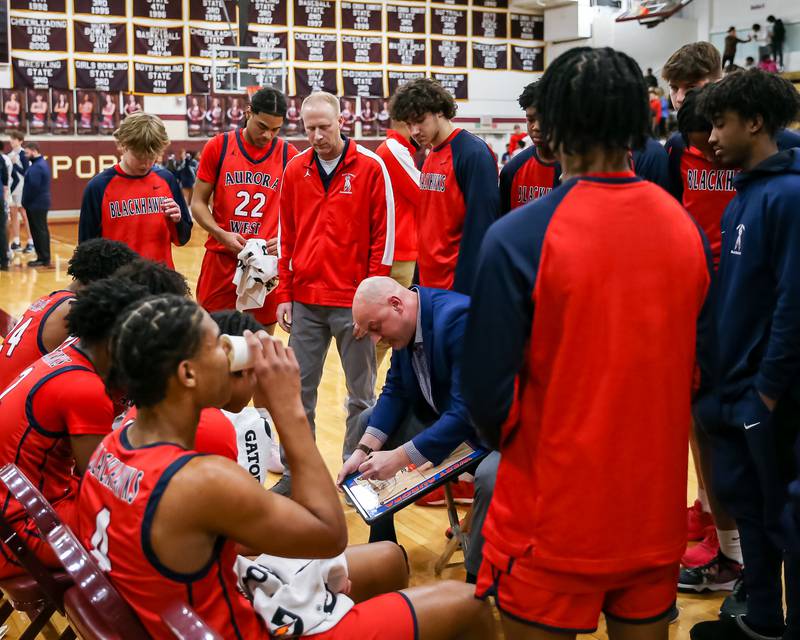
[(213, 10), (267, 40), (366, 82), (493, 4), (454, 2), (398, 78), (527, 27), (200, 78), (448, 53), (50, 6), (449, 22), (320, 14), (402, 19), (488, 24), (100, 37), (315, 47), (366, 49), (489, 56), (306, 81), (38, 34), (409, 52), (158, 78), (104, 8), (158, 9), (158, 42), (455, 83), (527, 58), (101, 76), (359, 16), (40, 74), (201, 41), (268, 12)]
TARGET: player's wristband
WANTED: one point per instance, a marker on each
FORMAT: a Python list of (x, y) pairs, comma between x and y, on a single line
[(364, 448)]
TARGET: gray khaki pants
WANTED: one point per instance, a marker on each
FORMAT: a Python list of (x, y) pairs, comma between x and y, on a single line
[(485, 476), (313, 326)]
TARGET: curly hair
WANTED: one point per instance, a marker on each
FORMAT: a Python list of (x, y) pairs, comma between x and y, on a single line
[(148, 342), (573, 118), (418, 97), (235, 323), (693, 62), (690, 120), (98, 258), (529, 96), (97, 306), (158, 278), (750, 94)]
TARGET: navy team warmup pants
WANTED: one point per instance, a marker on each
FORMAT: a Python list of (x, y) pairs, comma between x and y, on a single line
[(752, 465)]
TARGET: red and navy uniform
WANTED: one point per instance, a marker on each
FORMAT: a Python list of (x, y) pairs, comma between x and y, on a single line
[(526, 177), (58, 397), (24, 343), (118, 501), (651, 163), (398, 154), (247, 183), (335, 229), (587, 381), (460, 199), (128, 209)]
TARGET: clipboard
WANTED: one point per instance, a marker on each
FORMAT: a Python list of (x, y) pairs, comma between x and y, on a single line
[(374, 499)]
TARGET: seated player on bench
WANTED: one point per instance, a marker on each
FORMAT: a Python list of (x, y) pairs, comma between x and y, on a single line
[(171, 533), (420, 413)]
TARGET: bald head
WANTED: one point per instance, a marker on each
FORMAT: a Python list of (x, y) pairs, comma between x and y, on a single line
[(385, 310)]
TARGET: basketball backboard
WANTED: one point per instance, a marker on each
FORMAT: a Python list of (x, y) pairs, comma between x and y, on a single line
[(234, 69), (651, 12)]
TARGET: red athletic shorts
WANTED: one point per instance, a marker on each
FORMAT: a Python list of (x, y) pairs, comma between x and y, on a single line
[(29, 532), (572, 604), (386, 617), (216, 291)]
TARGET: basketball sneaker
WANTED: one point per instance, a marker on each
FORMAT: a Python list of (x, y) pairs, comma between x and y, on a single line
[(28, 247), (15, 246), (697, 522), (720, 574), (736, 603), (729, 629), (463, 493), (702, 553)]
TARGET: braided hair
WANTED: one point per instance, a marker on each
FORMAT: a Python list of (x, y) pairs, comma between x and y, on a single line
[(98, 305), (270, 101), (593, 98), (690, 120), (148, 342), (98, 258), (157, 277), (235, 323), (752, 93)]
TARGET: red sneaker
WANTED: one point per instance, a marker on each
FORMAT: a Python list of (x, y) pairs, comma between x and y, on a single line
[(698, 521), (463, 493), (702, 553)]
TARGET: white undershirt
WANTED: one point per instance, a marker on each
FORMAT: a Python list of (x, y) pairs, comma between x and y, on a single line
[(329, 165)]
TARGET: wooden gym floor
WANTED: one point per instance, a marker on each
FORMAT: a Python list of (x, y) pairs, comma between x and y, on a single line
[(420, 530)]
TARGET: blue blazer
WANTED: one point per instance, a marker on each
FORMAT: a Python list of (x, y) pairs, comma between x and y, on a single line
[(444, 320)]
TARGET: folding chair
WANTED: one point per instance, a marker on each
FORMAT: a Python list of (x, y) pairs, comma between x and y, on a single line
[(185, 624), (40, 593), (460, 529)]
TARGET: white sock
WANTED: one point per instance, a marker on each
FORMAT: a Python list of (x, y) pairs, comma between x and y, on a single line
[(730, 544), (702, 496)]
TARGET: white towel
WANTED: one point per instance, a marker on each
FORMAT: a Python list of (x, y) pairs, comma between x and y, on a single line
[(295, 597), (256, 275)]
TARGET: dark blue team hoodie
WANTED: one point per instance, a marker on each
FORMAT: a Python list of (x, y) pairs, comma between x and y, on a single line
[(757, 297)]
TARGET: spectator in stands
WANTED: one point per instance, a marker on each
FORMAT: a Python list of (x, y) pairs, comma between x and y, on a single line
[(768, 64), (731, 42), (36, 201), (777, 38), (650, 80), (749, 62)]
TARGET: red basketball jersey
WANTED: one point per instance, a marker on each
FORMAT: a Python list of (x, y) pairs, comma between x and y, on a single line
[(118, 498), (58, 396), (247, 182), (23, 345)]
